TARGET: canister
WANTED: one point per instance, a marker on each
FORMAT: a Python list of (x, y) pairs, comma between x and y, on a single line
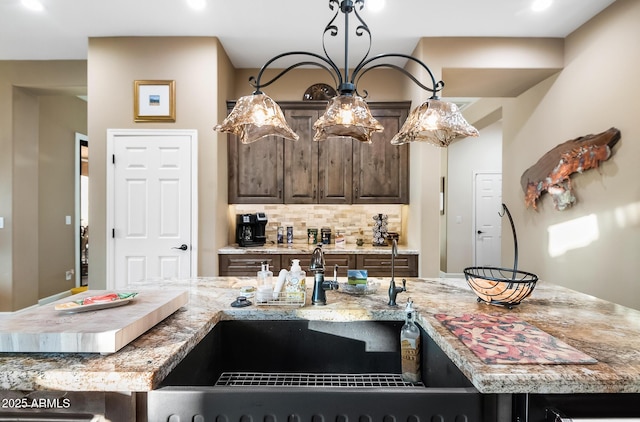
[(325, 233), (312, 236), (280, 235), (289, 235)]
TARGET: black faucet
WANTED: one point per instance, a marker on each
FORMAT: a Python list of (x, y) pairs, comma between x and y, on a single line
[(319, 296), (393, 290)]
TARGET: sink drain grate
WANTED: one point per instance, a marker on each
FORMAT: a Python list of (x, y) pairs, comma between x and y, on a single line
[(238, 379)]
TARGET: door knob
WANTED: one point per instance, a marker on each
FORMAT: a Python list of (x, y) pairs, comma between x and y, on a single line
[(182, 247), (479, 232)]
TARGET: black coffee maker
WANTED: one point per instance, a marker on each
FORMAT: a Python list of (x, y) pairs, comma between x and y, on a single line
[(250, 229)]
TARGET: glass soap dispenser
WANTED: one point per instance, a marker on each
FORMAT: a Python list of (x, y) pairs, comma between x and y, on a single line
[(410, 346)]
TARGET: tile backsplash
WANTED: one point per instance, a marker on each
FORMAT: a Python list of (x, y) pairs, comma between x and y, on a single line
[(356, 220)]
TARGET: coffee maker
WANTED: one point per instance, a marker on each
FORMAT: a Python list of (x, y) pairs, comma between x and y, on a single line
[(250, 229)]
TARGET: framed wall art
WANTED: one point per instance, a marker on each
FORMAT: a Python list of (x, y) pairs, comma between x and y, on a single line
[(154, 101)]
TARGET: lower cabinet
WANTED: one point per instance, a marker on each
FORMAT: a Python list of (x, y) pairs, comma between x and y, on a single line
[(377, 265), (247, 264)]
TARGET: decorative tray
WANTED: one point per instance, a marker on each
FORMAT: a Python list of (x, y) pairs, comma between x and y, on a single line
[(359, 289), (94, 303)]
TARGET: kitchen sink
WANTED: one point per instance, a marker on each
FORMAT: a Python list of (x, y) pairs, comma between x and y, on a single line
[(295, 370)]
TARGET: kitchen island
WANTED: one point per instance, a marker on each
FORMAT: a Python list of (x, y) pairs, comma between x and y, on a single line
[(605, 331)]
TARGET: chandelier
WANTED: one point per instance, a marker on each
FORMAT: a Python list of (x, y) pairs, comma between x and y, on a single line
[(347, 115)]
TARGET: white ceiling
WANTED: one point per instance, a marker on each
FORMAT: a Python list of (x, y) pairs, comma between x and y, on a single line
[(252, 31)]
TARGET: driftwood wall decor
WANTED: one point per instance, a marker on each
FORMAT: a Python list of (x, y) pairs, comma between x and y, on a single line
[(552, 172)]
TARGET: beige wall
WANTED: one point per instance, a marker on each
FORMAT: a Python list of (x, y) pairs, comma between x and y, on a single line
[(467, 157), (599, 88), (22, 86), (60, 118), (113, 66), (382, 85)]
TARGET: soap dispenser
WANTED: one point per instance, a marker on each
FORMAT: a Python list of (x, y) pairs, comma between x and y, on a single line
[(265, 283), (296, 285), (410, 346)]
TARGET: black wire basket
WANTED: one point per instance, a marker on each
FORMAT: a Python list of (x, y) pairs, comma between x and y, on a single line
[(502, 286)]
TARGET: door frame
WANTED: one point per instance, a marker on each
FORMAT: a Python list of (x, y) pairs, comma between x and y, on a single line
[(112, 135), (473, 213), (79, 138)]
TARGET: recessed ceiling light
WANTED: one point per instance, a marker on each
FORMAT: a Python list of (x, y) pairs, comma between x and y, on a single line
[(197, 4), (375, 5), (33, 5), (540, 5)]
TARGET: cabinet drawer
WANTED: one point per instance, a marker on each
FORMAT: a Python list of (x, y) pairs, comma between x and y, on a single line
[(379, 265), (344, 261), (246, 264)]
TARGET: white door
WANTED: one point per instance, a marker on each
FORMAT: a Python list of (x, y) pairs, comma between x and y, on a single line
[(153, 205), (487, 222)]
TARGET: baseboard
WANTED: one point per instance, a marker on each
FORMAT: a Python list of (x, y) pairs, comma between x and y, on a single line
[(451, 275), (53, 298)]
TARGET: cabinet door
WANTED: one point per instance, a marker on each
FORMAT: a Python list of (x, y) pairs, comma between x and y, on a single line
[(255, 171), (335, 176), (344, 262), (381, 170), (379, 265), (301, 159), (239, 265)]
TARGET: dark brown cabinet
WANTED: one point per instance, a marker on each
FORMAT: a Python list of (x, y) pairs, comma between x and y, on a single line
[(377, 265), (238, 265), (343, 261), (335, 171), (255, 171), (381, 170), (315, 172)]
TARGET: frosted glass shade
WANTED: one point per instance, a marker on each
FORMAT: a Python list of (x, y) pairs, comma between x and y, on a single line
[(346, 116), (254, 117), (436, 122)]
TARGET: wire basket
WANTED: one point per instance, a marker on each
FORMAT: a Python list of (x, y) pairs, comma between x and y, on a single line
[(501, 286)]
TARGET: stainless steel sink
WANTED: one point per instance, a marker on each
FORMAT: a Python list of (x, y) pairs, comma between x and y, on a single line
[(297, 370)]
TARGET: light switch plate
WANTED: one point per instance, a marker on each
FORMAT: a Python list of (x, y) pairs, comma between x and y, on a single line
[(1, 222), (67, 220)]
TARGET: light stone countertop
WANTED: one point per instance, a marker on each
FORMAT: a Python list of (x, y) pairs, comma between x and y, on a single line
[(608, 332), (303, 248)]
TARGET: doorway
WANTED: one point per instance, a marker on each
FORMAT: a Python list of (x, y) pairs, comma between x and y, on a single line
[(152, 212), (487, 223), (82, 209)]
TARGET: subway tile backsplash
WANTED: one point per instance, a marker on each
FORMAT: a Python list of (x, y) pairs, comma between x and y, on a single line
[(355, 220)]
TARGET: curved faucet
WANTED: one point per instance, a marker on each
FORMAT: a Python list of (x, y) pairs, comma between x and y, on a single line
[(319, 296), (393, 290)]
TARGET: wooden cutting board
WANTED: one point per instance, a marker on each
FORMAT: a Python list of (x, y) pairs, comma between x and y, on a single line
[(44, 329)]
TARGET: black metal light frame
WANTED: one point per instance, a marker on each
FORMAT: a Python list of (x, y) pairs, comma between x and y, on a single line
[(347, 84)]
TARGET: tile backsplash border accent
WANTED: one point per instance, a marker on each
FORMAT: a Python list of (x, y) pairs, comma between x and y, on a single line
[(355, 220)]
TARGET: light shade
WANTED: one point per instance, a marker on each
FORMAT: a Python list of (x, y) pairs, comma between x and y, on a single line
[(346, 116), (436, 122), (254, 117)]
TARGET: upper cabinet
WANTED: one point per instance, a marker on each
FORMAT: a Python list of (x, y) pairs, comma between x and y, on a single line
[(256, 171), (336, 171), (380, 169)]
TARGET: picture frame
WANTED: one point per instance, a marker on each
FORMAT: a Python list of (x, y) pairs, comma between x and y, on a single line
[(154, 101)]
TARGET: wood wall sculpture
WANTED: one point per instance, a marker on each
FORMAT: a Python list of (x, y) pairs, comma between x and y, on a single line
[(552, 172)]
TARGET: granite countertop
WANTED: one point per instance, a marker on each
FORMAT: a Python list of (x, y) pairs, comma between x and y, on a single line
[(303, 248), (608, 332)]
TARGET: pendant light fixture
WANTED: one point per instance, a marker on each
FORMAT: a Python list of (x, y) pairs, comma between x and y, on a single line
[(347, 114)]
